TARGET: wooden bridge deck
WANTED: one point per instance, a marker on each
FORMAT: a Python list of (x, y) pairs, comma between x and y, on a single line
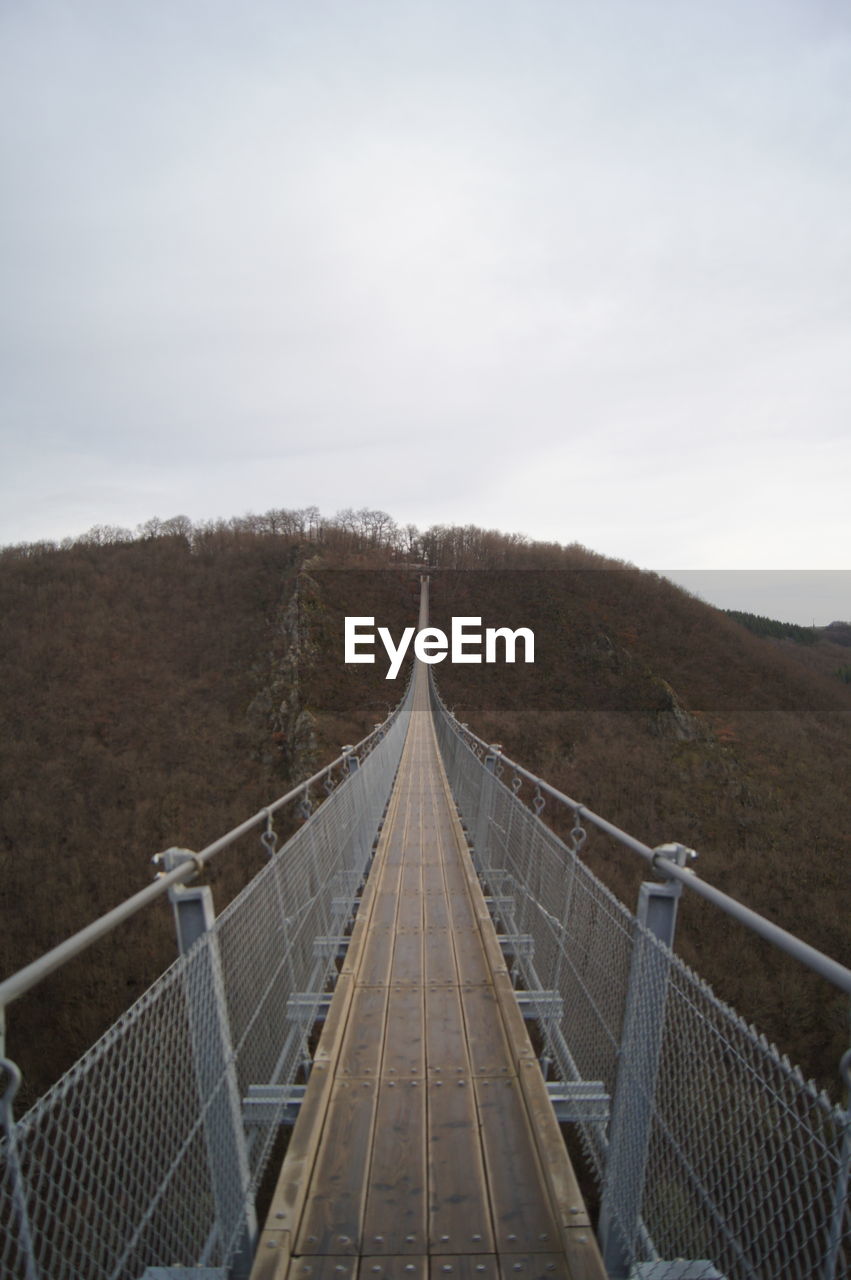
[(426, 1145)]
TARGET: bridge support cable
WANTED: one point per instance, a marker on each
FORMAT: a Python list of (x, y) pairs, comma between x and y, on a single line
[(715, 1151)]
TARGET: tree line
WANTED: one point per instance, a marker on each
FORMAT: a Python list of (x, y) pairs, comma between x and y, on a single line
[(350, 531)]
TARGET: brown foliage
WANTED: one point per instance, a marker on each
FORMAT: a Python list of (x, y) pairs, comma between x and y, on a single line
[(157, 689)]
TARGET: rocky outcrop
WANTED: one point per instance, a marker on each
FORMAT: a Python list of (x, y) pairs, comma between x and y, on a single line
[(671, 719), (286, 728)]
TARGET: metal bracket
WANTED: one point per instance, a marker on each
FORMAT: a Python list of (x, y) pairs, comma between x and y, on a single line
[(496, 876), (578, 834), (517, 944), (681, 1269), (327, 948), (185, 1273), (579, 1101), (309, 1006), (171, 859), (680, 854), (272, 1104), (540, 1005), (499, 904), (344, 906), (269, 838)]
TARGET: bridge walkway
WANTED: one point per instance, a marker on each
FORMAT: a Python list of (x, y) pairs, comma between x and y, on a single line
[(427, 1147)]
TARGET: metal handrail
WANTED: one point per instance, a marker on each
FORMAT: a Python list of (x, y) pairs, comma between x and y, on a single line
[(662, 861), (17, 984)]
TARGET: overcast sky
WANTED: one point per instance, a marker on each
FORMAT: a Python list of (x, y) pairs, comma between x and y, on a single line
[(576, 268)]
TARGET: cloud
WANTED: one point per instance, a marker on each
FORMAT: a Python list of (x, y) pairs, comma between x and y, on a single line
[(579, 270)]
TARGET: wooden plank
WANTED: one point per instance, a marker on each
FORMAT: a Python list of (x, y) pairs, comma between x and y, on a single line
[(398, 835), (488, 1049), (534, 1266), (407, 966), (333, 1211), (325, 1267), (433, 882), (331, 1039), (412, 881), (440, 964), (374, 969), (432, 852), (512, 1019), (272, 1259), (410, 913), (523, 1220), (360, 929), (558, 1170), (404, 1268), (470, 1266), (459, 1215), (404, 1042), (470, 957), (395, 854), (388, 877), (446, 1040), (494, 956), (584, 1261), (436, 909), (360, 1054), (396, 1218), (290, 1192), (378, 908), (463, 916), (384, 910)]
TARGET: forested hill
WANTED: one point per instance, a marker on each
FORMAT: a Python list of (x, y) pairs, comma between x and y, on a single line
[(157, 687)]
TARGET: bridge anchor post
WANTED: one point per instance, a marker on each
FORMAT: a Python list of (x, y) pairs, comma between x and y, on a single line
[(642, 1035), (215, 1072)]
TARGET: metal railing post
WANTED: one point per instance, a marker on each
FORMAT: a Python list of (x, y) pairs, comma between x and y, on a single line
[(215, 1071), (638, 1067), (843, 1177), (18, 1191)]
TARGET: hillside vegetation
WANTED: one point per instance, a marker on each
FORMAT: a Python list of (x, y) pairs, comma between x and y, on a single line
[(158, 687)]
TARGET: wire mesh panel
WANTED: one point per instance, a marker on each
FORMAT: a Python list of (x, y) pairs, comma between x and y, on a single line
[(719, 1160), (582, 935), (118, 1167), (110, 1157), (747, 1163)]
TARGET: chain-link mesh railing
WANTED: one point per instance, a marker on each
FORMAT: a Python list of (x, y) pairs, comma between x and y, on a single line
[(718, 1158), (145, 1153)]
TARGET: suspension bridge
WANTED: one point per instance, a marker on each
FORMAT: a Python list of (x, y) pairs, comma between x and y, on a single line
[(418, 995)]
